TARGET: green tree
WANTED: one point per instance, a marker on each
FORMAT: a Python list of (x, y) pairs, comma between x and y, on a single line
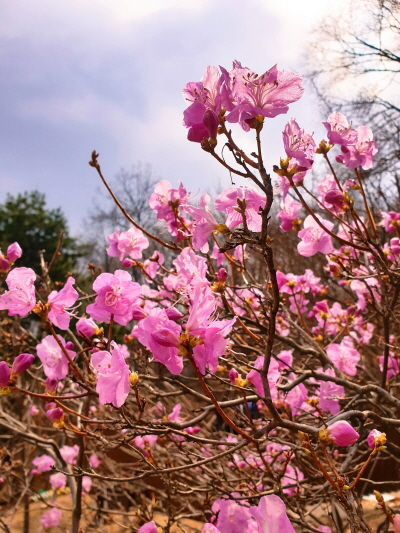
[(26, 219)]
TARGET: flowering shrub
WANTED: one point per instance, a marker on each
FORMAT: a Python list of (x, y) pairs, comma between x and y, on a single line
[(234, 392)]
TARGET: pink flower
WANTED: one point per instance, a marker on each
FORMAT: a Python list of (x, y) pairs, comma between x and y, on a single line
[(21, 363), (20, 298), (229, 200), (219, 258), (149, 527), (4, 374), (94, 461), (116, 295), (390, 221), (393, 365), (314, 238), (55, 415), (273, 375), (232, 517), (131, 243), (55, 364), (267, 95), (161, 335), (87, 327), (298, 144), (342, 433), (396, 523), (33, 410), (50, 518), (375, 438), (69, 453), (344, 356), (112, 374), (210, 333), (145, 441), (174, 414), (205, 223), (271, 515), (207, 98), (166, 201), (59, 302), (43, 463), (151, 265), (288, 213), (339, 130), (329, 393), (361, 153), (58, 481), (86, 483), (14, 252)]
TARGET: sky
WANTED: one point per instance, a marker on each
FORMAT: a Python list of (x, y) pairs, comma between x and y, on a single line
[(79, 75)]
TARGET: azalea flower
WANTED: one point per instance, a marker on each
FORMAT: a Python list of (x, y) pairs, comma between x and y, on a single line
[(228, 202), (267, 95), (20, 298), (116, 295), (314, 238), (55, 364), (112, 373), (59, 304), (344, 356)]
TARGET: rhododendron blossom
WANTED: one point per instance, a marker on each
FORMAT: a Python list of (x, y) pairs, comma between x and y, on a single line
[(252, 201), (344, 356), (54, 361), (314, 238), (267, 95), (112, 373), (298, 144), (116, 295), (20, 297), (130, 243), (271, 515), (59, 304), (288, 213), (205, 223), (51, 518)]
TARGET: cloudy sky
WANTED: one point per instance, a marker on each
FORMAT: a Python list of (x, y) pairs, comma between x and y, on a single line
[(78, 75)]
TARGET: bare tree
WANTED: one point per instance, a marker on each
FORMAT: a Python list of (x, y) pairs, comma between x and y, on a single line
[(133, 188), (354, 62)]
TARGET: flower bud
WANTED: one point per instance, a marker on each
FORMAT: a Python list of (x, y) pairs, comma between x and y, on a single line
[(86, 327), (4, 265), (128, 263), (4, 374), (51, 385), (233, 375), (22, 362), (134, 379), (342, 433), (57, 417), (222, 274), (138, 313), (376, 439), (14, 252), (335, 197), (33, 410), (50, 405), (210, 121), (395, 245), (69, 345), (173, 313), (165, 337)]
